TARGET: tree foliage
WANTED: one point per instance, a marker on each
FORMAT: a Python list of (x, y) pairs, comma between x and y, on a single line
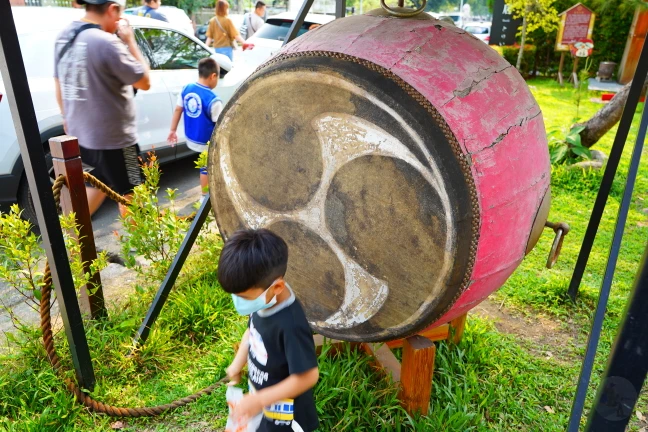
[(540, 14)]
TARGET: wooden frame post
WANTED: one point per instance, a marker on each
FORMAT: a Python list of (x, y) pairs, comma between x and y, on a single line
[(574, 74), (416, 374), (66, 157), (560, 68)]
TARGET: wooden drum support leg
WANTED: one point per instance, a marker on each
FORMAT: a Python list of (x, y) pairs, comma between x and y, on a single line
[(456, 330), (416, 374)]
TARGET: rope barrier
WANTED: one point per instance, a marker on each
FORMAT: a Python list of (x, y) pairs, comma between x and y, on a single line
[(48, 338)]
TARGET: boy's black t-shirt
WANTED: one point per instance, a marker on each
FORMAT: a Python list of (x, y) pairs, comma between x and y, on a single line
[(281, 344)]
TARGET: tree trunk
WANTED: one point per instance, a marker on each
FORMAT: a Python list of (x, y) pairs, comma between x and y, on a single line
[(605, 118), (522, 41)]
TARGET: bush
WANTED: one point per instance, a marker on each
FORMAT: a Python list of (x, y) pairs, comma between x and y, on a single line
[(510, 53)]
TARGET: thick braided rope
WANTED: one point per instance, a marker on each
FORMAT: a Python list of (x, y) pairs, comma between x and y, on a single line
[(55, 361)]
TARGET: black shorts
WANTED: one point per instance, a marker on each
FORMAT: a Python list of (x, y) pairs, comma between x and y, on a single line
[(119, 169)]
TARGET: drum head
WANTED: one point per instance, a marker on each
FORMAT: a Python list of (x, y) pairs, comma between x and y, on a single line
[(362, 178)]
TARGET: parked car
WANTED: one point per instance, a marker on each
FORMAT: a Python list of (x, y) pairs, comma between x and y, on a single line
[(173, 55), (481, 30), (176, 16), (270, 37), (457, 17)]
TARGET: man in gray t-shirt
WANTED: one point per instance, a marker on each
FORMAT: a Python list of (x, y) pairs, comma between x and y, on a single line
[(151, 10), (95, 72)]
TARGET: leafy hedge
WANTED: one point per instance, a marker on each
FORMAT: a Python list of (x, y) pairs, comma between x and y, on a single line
[(611, 28)]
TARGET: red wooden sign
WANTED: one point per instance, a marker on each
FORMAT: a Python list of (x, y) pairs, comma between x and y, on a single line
[(576, 24)]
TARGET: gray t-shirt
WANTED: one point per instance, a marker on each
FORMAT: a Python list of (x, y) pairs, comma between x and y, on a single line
[(253, 23), (96, 76)]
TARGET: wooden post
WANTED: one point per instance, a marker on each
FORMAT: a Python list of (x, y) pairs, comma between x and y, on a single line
[(66, 157), (560, 68), (457, 326), (416, 374)]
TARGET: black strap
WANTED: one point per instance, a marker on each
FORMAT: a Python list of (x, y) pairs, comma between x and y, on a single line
[(76, 33)]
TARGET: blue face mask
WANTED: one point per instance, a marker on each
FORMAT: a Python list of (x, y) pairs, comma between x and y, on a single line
[(248, 307)]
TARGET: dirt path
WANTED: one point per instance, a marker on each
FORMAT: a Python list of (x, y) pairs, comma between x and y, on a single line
[(544, 336)]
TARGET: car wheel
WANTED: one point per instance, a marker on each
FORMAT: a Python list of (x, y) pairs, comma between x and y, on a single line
[(25, 200)]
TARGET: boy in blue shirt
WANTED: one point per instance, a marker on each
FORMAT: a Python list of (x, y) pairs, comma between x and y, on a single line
[(278, 345), (201, 108)]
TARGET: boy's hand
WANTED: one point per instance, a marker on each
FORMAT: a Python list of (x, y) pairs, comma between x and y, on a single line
[(172, 138), (247, 407), (234, 374)]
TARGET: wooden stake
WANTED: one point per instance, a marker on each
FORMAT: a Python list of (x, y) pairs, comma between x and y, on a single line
[(416, 374), (66, 157), (457, 326)]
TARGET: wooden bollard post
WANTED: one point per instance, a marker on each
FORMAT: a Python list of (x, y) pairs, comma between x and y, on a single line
[(416, 374), (66, 157)]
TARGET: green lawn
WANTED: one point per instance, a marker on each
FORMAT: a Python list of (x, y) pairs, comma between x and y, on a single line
[(491, 381)]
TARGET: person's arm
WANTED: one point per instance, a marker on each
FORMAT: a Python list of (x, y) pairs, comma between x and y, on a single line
[(209, 34), (175, 120), (59, 101), (234, 370), (128, 37), (233, 33), (290, 388)]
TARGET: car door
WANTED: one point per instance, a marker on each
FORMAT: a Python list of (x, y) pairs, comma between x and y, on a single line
[(154, 110)]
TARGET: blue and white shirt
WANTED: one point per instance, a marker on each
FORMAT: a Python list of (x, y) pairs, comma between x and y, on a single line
[(201, 109)]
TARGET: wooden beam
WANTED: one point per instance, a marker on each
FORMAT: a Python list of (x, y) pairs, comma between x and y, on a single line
[(383, 360), (416, 377), (434, 334)]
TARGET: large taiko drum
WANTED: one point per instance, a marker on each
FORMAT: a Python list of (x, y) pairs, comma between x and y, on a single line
[(404, 161)]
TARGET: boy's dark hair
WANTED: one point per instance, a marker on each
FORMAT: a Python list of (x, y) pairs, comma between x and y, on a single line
[(259, 4), (252, 259), (207, 67)]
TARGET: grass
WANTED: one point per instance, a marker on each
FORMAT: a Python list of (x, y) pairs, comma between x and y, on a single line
[(492, 381)]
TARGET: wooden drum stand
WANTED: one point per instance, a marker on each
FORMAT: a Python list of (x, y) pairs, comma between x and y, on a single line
[(415, 372)]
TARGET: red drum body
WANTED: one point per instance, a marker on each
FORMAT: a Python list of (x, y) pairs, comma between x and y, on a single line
[(404, 161)]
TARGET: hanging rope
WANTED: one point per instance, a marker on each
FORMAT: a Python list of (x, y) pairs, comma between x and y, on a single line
[(48, 338)]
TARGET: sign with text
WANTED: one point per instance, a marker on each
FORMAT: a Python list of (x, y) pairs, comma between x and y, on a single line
[(504, 27), (576, 24)]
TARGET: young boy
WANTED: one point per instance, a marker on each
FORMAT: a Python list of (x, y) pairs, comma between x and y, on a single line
[(278, 344), (201, 108)]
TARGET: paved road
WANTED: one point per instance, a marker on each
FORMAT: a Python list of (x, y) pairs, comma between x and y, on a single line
[(180, 175)]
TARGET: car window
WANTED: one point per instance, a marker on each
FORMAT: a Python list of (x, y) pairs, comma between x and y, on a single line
[(171, 50), (476, 30), (277, 29)]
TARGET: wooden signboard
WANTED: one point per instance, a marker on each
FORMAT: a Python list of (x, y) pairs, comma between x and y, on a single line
[(576, 23)]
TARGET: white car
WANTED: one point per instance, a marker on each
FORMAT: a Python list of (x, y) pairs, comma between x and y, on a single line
[(173, 55), (481, 30), (270, 37), (177, 17), (457, 17)]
